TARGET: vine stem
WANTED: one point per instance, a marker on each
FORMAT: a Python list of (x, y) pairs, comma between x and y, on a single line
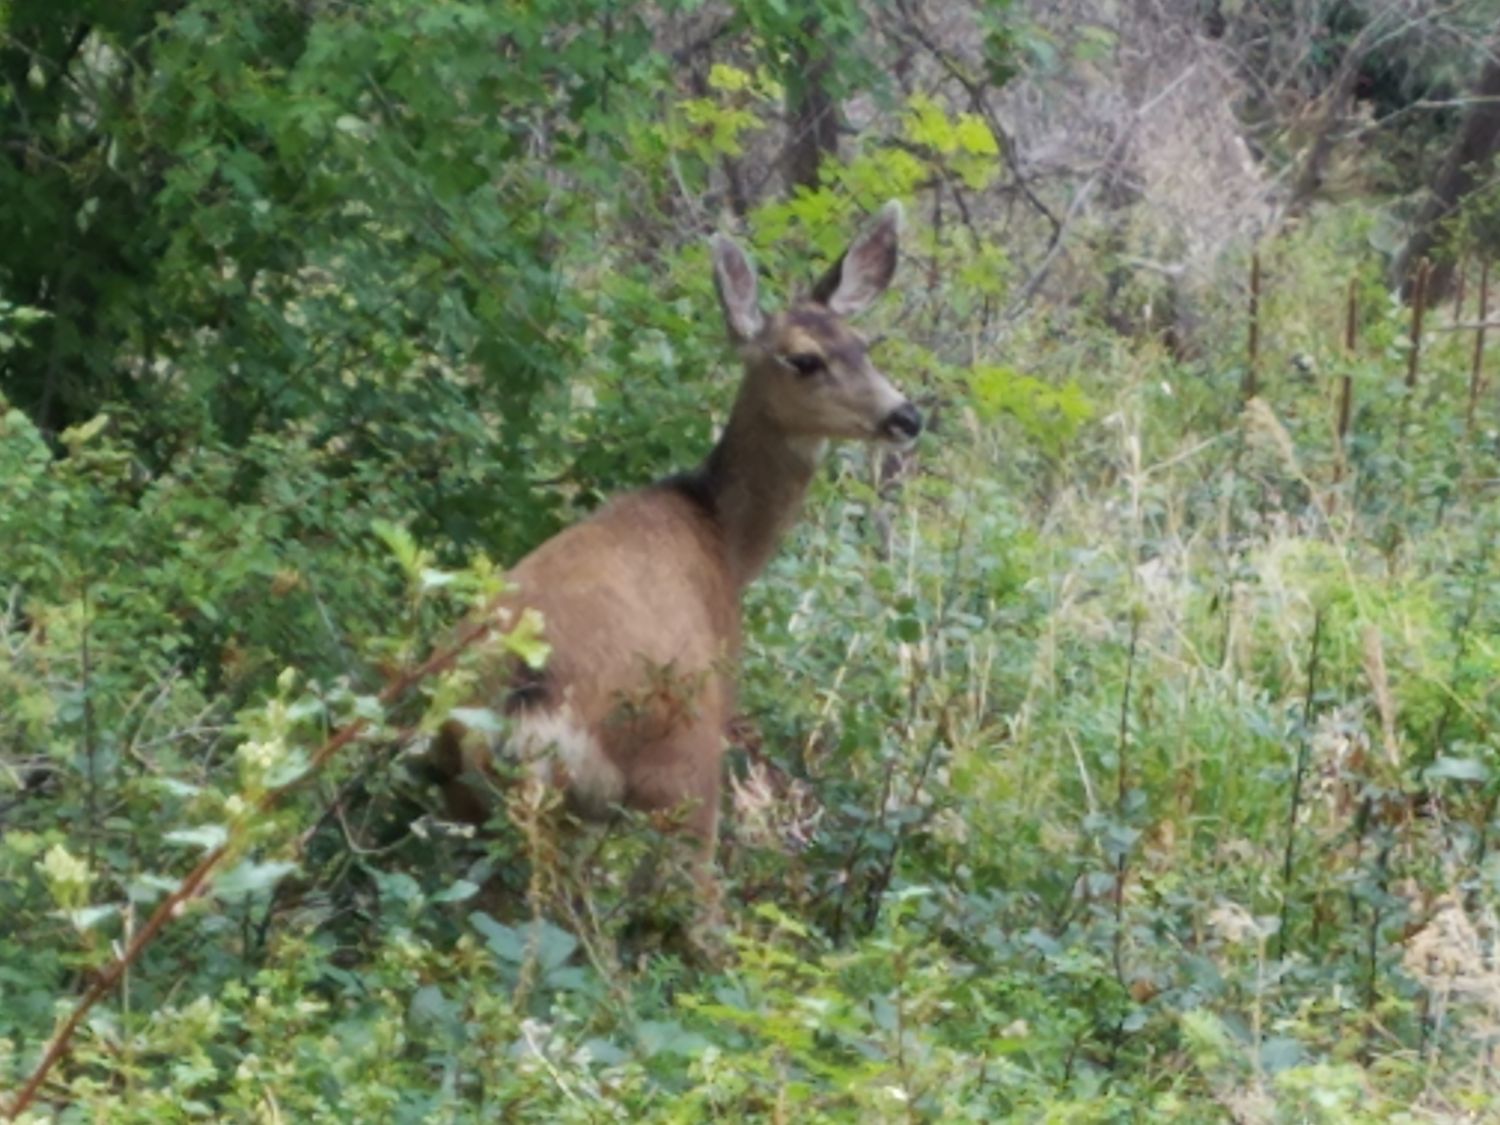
[(198, 879)]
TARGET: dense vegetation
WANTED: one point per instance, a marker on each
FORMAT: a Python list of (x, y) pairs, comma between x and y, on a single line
[(1131, 750)]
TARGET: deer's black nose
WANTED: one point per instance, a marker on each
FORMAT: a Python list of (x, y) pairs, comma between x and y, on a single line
[(902, 424)]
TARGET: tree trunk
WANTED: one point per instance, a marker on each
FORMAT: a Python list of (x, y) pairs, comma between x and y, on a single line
[(1331, 113), (812, 112), (1460, 172)]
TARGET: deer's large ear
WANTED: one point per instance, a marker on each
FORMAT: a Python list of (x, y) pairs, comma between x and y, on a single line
[(866, 268), (734, 278)]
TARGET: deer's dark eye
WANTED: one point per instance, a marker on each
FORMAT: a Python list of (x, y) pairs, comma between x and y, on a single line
[(806, 363)]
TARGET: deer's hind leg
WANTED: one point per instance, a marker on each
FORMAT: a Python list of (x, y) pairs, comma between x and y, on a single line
[(681, 780)]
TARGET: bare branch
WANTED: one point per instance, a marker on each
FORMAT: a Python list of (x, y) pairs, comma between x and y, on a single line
[(1033, 283), (912, 28)]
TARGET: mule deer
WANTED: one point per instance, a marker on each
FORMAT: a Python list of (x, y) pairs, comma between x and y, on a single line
[(640, 602)]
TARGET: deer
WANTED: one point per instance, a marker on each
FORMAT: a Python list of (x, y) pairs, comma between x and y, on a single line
[(640, 601)]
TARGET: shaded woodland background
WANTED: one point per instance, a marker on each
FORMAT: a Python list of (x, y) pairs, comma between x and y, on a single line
[(1128, 749)]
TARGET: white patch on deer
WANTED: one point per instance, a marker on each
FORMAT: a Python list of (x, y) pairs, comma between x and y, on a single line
[(562, 751)]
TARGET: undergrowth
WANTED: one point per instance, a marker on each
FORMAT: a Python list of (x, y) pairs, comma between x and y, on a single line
[(1152, 771), (1129, 751)]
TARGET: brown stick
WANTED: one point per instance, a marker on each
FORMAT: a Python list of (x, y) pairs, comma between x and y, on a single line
[(199, 877), (1476, 375), (1351, 316), (1249, 386), (1418, 308), (1346, 385)]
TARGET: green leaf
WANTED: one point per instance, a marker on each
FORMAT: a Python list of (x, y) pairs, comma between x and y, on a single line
[(176, 787), (400, 543), (604, 1052), (1457, 769), (459, 891), (1280, 1053), (148, 887), (927, 124), (481, 719), (658, 1037), (76, 437), (431, 1007), (433, 579), (505, 942), (88, 917), (974, 136), (1050, 414), (249, 879), (206, 836), (525, 639), (553, 944), (730, 79)]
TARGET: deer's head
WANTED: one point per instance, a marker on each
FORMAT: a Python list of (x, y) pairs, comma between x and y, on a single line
[(807, 371)]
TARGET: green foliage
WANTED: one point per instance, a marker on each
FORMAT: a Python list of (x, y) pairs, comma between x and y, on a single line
[(1129, 753), (1048, 414), (324, 222), (14, 321)]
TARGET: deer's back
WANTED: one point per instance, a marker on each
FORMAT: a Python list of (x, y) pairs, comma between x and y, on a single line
[(642, 619)]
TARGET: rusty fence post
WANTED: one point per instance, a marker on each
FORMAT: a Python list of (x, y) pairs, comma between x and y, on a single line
[(1249, 385), (1476, 374), (1346, 384)]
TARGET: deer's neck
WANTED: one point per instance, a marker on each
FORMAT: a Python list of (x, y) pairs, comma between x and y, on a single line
[(755, 481)]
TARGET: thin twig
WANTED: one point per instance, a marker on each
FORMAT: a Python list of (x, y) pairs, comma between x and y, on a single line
[(1033, 283), (1466, 326)]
